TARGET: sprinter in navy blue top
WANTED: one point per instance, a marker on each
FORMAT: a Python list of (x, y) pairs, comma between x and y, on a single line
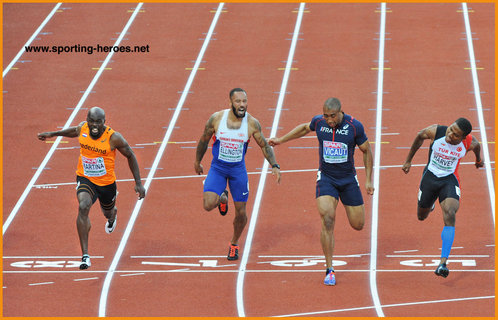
[(338, 134), (336, 145)]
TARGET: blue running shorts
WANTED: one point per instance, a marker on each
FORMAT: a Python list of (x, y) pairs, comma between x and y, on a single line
[(347, 189), (216, 181)]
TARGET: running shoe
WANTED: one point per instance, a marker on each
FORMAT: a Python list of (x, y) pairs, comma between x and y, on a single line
[(442, 270), (85, 262), (329, 277), (233, 252), (223, 207), (110, 226)]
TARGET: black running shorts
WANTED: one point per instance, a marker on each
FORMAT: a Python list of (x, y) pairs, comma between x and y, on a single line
[(105, 194), (432, 188)]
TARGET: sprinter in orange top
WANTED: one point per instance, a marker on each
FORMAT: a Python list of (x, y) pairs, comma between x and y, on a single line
[(95, 174)]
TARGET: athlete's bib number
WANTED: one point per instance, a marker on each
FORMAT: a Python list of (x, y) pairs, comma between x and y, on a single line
[(335, 152), (93, 167), (231, 151)]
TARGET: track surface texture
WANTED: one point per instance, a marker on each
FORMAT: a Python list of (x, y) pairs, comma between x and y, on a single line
[(397, 68)]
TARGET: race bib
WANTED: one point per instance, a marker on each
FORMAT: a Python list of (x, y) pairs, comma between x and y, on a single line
[(231, 151), (93, 167), (442, 164), (335, 152)]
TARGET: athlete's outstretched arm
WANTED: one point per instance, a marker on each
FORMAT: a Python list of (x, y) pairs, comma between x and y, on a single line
[(71, 132), (298, 132), (368, 161), (476, 147), (203, 144), (265, 147), (426, 133), (118, 142)]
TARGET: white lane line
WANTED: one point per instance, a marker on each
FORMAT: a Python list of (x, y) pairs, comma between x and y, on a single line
[(51, 185), (176, 114), (359, 255), (171, 264), (35, 34), (170, 257), (376, 170), (14, 211), (40, 283), (262, 179), (387, 306), (406, 251), (85, 279), (477, 95), (132, 274), (436, 256), (48, 257), (204, 270)]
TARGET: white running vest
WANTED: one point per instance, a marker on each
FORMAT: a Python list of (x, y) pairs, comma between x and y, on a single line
[(232, 141), (445, 157)]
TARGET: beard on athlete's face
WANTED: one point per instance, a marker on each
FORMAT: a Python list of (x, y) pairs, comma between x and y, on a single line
[(239, 112)]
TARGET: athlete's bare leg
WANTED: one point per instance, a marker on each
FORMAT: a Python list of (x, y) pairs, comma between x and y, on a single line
[(326, 207), (356, 216), (83, 221), (423, 213), (239, 222), (211, 200)]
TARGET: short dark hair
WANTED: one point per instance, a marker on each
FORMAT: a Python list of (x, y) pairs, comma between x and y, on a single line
[(464, 125), (333, 104), (236, 90)]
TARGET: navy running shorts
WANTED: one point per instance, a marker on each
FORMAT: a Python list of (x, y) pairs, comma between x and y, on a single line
[(432, 188), (105, 194), (238, 181), (346, 189)]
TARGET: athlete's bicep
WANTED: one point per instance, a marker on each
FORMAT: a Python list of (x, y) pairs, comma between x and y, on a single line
[(364, 147), (209, 128), (258, 134), (118, 142), (474, 145)]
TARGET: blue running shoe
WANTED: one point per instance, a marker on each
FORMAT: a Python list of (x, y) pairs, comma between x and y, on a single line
[(329, 278)]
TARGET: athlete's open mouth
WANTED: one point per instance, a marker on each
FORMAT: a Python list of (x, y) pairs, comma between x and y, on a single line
[(94, 132)]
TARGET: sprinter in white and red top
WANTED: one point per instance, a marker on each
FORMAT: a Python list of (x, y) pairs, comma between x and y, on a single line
[(440, 178), (231, 130)]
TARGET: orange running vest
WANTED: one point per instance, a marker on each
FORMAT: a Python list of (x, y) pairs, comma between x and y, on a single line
[(96, 161)]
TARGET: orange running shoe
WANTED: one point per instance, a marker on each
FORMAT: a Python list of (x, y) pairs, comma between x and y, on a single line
[(223, 207), (233, 252)]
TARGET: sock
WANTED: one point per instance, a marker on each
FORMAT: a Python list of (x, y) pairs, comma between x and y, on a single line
[(447, 236)]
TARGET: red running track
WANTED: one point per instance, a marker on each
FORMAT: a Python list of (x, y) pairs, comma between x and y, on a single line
[(174, 261)]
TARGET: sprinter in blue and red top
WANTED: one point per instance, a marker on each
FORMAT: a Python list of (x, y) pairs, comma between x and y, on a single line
[(338, 134), (232, 129), (449, 144)]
